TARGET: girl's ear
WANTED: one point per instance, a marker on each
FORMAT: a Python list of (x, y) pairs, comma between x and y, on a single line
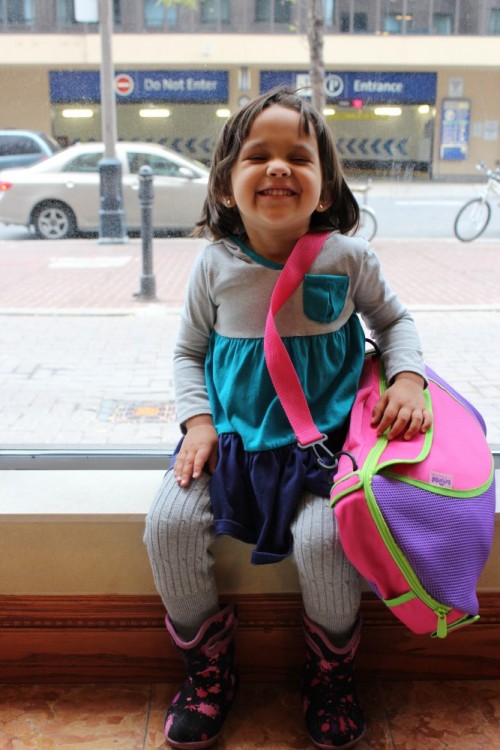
[(228, 201), (324, 203)]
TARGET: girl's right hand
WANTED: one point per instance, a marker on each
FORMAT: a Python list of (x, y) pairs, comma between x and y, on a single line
[(199, 447)]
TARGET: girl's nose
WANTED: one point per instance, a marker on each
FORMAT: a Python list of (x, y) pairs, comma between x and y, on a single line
[(278, 169)]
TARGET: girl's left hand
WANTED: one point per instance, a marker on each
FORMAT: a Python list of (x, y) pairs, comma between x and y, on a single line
[(403, 408)]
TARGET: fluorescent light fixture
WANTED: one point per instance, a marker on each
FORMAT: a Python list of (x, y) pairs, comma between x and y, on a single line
[(328, 112), (154, 113), (77, 113), (388, 111), (223, 113), (424, 109)]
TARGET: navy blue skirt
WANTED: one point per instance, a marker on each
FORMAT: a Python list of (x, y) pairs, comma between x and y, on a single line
[(254, 495)]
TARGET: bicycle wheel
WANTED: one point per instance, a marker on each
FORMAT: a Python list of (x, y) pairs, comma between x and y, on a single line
[(367, 223), (472, 219)]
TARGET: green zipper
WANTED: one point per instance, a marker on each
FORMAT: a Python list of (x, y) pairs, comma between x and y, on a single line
[(404, 566)]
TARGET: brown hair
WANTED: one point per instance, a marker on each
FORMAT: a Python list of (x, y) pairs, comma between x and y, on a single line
[(218, 220)]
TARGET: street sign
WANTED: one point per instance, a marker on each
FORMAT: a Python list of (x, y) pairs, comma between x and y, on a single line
[(124, 84)]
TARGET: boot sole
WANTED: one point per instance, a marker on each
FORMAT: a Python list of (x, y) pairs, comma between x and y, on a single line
[(353, 743), (193, 745)]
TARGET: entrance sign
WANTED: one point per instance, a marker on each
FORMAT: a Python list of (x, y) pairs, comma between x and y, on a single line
[(370, 88)]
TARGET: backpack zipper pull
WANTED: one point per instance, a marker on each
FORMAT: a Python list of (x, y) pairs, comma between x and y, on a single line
[(442, 626)]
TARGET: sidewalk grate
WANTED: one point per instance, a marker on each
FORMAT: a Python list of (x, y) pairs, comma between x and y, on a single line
[(137, 411)]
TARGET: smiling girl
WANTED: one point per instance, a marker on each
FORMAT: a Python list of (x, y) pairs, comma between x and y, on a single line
[(275, 177)]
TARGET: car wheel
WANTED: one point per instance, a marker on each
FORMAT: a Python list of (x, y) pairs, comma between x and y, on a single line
[(53, 221)]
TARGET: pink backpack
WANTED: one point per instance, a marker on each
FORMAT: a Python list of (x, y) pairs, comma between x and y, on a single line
[(415, 517)]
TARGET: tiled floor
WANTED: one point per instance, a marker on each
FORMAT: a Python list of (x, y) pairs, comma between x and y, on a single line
[(402, 716)]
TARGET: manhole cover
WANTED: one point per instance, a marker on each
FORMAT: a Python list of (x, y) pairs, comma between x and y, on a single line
[(137, 411)]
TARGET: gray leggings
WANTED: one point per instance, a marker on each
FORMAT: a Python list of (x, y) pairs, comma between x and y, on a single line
[(179, 533)]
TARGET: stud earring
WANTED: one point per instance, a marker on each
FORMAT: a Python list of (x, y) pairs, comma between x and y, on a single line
[(228, 202), (320, 206)]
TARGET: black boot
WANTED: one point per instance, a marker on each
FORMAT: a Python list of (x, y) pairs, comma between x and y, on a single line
[(333, 715), (198, 711)]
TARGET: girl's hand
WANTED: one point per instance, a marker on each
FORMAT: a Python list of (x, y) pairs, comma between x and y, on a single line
[(402, 408), (198, 447)]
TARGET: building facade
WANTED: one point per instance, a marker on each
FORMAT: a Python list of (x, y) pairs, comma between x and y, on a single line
[(411, 85)]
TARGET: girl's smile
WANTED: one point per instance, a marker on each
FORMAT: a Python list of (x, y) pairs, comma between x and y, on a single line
[(277, 182)]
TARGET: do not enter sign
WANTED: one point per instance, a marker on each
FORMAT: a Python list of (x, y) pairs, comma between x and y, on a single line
[(124, 84)]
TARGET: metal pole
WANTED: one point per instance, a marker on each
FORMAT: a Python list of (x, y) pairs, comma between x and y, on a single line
[(111, 215), (146, 195)]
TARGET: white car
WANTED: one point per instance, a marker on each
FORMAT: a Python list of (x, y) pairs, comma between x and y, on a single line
[(60, 196)]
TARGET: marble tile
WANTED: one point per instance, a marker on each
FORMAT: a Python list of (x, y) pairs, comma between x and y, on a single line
[(73, 717), (451, 715), (437, 715)]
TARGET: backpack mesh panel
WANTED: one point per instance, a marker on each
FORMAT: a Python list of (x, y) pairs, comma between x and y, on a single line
[(446, 548)]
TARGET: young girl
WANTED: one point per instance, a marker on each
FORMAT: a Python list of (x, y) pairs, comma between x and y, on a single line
[(275, 176)]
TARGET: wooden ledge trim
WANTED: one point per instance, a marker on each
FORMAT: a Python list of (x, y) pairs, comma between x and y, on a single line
[(123, 639)]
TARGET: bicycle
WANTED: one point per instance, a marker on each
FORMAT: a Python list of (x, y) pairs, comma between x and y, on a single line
[(367, 217), (475, 215)]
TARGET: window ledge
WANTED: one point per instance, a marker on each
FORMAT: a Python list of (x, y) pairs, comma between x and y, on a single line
[(45, 485), (76, 496)]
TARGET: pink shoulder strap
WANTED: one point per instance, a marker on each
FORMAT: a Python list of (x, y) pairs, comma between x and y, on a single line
[(279, 364)]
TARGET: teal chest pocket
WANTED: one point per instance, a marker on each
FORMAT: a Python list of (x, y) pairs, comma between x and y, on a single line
[(324, 296)]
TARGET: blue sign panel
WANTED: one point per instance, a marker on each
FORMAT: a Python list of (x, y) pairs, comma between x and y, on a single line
[(83, 86), (370, 88), (455, 129)]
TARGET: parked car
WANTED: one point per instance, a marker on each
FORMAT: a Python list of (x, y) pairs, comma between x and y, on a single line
[(59, 197), (21, 148)]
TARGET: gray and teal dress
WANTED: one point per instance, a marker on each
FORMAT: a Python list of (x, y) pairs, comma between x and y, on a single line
[(219, 369)]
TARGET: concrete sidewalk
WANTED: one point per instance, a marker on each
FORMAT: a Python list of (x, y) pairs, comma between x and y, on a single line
[(85, 361)]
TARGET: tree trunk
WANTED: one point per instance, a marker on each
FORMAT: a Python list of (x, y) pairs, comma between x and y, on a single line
[(315, 30)]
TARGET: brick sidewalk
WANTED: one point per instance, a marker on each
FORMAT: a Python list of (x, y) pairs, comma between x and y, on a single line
[(83, 274)]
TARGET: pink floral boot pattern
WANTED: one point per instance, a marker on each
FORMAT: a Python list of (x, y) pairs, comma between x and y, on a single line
[(199, 709), (333, 715)]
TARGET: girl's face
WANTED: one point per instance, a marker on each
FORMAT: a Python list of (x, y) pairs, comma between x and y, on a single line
[(277, 182)]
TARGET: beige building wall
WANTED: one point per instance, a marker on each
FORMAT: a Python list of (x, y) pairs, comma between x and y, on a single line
[(469, 65)]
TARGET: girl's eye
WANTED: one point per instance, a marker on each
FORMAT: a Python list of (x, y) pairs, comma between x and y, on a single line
[(256, 157), (301, 159)]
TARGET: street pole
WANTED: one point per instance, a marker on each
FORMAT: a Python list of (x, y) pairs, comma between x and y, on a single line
[(146, 196), (111, 214)]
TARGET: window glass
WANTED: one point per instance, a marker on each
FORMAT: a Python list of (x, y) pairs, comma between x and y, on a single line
[(99, 364), (329, 12), (20, 12), (494, 21), (212, 11), (117, 12), (18, 144), (442, 23), (157, 15), (84, 163), (279, 10), (25, 145), (397, 23), (153, 13), (360, 22), (66, 12), (159, 164), (282, 11), (263, 10)]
